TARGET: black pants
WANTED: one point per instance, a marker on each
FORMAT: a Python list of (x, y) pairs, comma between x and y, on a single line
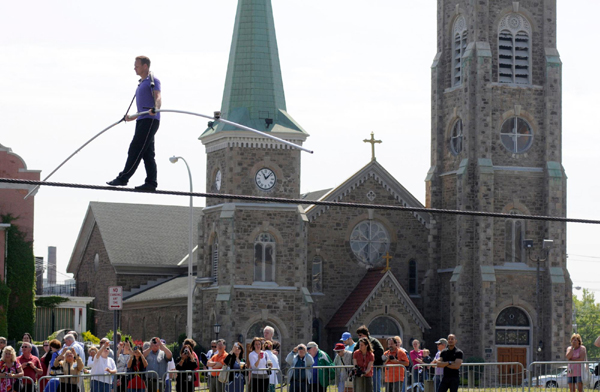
[(316, 387), (142, 147), (449, 383)]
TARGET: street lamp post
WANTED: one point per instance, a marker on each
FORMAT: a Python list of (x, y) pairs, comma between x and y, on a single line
[(174, 159), (217, 329)]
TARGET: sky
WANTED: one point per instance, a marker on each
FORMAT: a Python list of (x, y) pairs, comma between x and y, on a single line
[(349, 68)]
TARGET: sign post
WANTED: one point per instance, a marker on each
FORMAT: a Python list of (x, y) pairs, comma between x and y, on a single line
[(115, 303)]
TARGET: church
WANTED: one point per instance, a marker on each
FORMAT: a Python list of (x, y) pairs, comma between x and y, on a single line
[(313, 271)]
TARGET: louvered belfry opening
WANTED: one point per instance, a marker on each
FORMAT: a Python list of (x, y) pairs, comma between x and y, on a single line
[(514, 50), (459, 47)]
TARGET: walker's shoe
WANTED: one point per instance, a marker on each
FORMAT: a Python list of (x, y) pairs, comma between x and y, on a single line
[(117, 182), (146, 188)]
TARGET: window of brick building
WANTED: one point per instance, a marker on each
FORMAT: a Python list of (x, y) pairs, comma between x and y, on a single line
[(516, 135), (456, 138), (459, 46), (514, 236), (317, 274), (413, 287), (369, 241), (264, 258), (513, 327), (214, 254)]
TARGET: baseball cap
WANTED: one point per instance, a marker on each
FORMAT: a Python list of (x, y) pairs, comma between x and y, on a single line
[(442, 341), (346, 336), (311, 345), (339, 347)]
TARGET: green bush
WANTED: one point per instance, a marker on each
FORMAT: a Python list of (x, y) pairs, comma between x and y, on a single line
[(20, 278), (87, 336)]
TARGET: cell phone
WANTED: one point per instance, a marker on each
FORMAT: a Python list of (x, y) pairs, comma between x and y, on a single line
[(154, 341), (261, 355), (127, 339)]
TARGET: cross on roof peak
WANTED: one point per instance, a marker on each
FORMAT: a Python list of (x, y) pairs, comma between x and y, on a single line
[(372, 141)]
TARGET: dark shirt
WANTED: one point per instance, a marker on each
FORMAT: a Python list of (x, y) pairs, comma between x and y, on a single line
[(300, 374), (448, 355)]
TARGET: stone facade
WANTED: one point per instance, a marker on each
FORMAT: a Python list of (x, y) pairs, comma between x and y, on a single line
[(474, 259)]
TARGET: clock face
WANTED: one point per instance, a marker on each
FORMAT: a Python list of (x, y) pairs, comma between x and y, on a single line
[(218, 180), (265, 179)]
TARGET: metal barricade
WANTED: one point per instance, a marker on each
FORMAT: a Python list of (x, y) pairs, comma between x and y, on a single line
[(559, 374), (85, 382), (22, 381), (494, 376)]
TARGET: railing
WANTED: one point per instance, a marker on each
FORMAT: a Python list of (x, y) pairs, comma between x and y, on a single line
[(98, 382), (556, 375), (17, 382), (61, 289)]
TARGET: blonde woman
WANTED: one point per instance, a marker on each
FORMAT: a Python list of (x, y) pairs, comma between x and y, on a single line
[(72, 365), (576, 352), (10, 368)]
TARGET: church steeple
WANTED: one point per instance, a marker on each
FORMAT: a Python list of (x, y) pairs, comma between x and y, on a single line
[(253, 94)]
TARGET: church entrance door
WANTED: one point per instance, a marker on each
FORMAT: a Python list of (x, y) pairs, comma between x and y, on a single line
[(512, 374)]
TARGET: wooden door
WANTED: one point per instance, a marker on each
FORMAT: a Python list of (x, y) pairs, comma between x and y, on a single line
[(511, 374)]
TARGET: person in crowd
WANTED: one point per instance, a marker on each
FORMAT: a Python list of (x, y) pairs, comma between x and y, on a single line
[(377, 348), (31, 366), (426, 361), (77, 342), (71, 343), (71, 365), (92, 351), (393, 358), (103, 364), (10, 368), (158, 356), (3, 343), (46, 347), (576, 352), (205, 358), (217, 362), (451, 359), (257, 359), (268, 334), (348, 341), (320, 377), (191, 343), (170, 368), (300, 372), (272, 363), (123, 355), (343, 357), (45, 361), (363, 360), (111, 353), (51, 385), (416, 356), (136, 364), (29, 339), (186, 364), (235, 361), (439, 372)]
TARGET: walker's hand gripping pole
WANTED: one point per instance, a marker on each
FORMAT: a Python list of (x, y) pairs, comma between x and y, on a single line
[(216, 118)]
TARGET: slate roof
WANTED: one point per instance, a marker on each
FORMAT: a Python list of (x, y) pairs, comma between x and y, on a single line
[(356, 298), (311, 196), (172, 289), (137, 234)]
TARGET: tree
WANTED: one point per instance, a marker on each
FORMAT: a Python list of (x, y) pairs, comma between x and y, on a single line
[(20, 279), (587, 318)]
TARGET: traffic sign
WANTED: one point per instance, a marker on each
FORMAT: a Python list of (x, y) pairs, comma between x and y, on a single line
[(115, 298)]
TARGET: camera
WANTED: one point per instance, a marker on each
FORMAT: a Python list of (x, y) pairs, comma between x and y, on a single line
[(356, 372), (393, 358), (186, 351), (154, 341)]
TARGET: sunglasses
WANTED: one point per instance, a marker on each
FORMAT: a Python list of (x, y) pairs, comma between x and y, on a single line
[(213, 346), (300, 349), (46, 345)]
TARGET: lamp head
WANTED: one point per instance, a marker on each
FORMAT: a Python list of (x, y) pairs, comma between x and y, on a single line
[(173, 159), (547, 244), (528, 244)]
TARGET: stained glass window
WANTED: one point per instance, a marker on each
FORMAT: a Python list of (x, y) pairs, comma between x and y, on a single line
[(384, 326), (369, 241)]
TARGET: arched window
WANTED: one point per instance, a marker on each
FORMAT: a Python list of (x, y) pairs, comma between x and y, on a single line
[(513, 328), (384, 326), (256, 330), (214, 254), (413, 287), (96, 262), (369, 241), (317, 274), (515, 234), (514, 50), (264, 258), (516, 135), (459, 45), (456, 138)]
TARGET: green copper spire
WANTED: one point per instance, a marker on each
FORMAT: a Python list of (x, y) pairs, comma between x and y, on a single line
[(253, 94)]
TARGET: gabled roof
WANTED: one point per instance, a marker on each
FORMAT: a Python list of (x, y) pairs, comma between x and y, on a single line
[(137, 235), (253, 85), (375, 170), (312, 196), (365, 291)]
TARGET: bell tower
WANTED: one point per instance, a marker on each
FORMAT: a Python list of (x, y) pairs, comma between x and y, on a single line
[(252, 256), (496, 146)]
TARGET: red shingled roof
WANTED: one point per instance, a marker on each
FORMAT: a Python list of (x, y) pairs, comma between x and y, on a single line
[(356, 298)]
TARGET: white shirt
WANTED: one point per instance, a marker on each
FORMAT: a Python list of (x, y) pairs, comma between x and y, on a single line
[(273, 358), (98, 368), (253, 357)]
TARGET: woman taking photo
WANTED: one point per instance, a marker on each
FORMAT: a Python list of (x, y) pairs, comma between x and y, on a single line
[(186, 364), (258, 360), (363, 359), (103, 364), (137, 363), (235, 361), (9, 368), (576, 352), (72, 365)]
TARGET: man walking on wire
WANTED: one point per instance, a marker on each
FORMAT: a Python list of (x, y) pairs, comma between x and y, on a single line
[(142, 146)]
